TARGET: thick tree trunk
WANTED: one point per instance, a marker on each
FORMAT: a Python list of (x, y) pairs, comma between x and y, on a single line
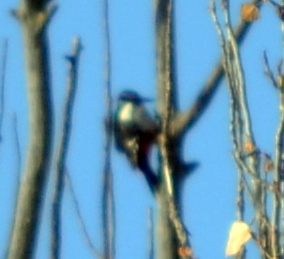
[(33, 17)]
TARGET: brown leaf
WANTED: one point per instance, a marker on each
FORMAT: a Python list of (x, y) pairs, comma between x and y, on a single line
[(239, 235), (184, 251), (249, 12), (249, 147), (268, 163)]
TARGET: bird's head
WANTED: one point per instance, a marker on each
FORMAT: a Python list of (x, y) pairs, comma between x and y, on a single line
[(132, 97)]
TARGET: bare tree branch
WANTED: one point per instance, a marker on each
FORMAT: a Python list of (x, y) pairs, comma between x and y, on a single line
[(2, 83), (83, 227), (186, 120), (17, 176), (166, 52), (73, 62), (151, 254), (276, 228), (108, 206), (32, 188), (278, 182), (240, 197), (172, 236), (268, 71), (18, 157)]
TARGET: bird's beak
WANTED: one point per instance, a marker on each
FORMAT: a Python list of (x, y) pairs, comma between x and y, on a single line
[(146, 100)]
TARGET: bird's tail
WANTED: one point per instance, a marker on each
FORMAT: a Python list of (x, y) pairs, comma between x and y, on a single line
[(149, 174)]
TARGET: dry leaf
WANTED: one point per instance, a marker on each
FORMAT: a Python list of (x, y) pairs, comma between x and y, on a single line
[(249, 147), (184, 251), (239, 235), (268, 164), (249, 12)]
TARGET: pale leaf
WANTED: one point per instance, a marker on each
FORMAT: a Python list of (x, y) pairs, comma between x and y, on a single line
[(249, 12), (239, 234)]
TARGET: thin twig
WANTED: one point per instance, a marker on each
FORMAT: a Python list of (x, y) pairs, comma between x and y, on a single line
[(240, 197), (280, 132), (239, 76), (268, 70), (2, 83), (259, 243), (18, 155), (150, 234), (235, 118), (252, 160), (277, 205), (18, 148), (73, 61), (82, 225), (278, 178), (18, 171), (108, 205)]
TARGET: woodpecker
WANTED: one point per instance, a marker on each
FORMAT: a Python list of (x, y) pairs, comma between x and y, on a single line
[(135, 131)]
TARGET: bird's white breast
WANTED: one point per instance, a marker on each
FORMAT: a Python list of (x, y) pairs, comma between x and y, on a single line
[(126, 112)]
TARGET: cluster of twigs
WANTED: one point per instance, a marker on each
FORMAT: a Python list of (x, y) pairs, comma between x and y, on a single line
[(252, 164)]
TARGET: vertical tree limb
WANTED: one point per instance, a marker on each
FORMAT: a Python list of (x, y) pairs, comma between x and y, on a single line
[(167, 247), (279, 149), (245, 127), (33, 16), (2, 82), (151, 250), (165, 56), (18, 161), (276, 220), (108, 206), (17, 176), (171, 232), (73, 62)]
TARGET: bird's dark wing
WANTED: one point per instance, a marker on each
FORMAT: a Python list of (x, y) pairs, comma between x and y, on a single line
[(144, 121), (117, 134)]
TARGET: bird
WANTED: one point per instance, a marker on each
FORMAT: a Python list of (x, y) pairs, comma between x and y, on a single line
[(135, 132)]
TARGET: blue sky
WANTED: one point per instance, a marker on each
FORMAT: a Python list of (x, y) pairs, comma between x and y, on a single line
[(209, 194)]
